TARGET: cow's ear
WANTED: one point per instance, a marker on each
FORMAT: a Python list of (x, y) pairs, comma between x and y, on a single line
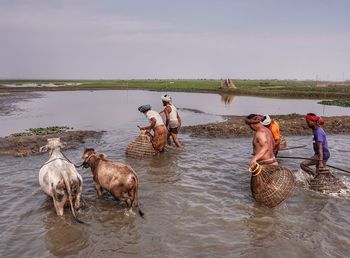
[(102, 156), (43, 149), (89, 150)]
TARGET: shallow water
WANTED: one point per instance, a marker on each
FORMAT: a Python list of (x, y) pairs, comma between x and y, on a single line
[(116, 109), (197, 201)]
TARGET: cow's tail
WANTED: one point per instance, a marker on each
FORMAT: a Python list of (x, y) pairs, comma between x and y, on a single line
[(138, 205), (70, 198)]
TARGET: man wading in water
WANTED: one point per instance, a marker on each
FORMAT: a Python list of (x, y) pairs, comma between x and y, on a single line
[(160, 133), (173, 120), (320, 145), (263, 142), (274, 127)]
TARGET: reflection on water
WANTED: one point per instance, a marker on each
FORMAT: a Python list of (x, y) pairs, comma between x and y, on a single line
[(63, 238), (227, 99)]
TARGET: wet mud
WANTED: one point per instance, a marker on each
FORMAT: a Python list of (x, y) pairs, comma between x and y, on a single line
[(292, 124), (8, 100), (29, 145)]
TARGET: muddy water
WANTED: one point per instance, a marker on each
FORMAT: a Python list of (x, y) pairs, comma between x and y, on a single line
[(197, 201)]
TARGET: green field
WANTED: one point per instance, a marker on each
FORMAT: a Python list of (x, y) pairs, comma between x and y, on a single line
[(273, 88)]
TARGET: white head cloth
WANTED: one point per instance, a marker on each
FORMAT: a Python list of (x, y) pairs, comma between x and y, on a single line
[(166, 98), (267, 120)]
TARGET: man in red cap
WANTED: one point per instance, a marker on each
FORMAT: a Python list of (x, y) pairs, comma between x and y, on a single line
[(320, 145)]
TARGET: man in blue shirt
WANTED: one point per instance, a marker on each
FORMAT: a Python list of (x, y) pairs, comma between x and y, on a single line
[(320, 145)]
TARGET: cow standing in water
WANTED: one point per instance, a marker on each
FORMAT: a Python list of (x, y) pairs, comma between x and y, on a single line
[(117, 178), (59, 178)]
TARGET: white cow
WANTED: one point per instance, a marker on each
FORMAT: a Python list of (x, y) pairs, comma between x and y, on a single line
[(59, 178)]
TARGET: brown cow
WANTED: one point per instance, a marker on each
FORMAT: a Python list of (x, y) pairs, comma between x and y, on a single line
[(117, 178)]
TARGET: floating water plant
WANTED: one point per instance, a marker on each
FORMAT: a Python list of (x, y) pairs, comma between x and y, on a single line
[(43, 131), (337, 102)]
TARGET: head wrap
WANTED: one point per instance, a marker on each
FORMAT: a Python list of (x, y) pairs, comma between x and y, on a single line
[(311, 117), (266, 120), (144, 108), (166, 98), (320, 121), (253, 119)]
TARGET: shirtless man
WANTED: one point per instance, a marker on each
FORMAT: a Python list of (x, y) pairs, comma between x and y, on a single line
[(263, 142)]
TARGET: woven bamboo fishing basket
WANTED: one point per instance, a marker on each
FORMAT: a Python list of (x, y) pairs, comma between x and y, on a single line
[(271, 185), (141, 147), (326, 182)]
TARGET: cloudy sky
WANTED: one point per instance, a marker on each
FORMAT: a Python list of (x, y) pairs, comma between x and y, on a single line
[(141, 39)]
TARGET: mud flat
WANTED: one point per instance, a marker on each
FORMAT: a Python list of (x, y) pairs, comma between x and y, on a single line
[(30, 145), (292, 124)]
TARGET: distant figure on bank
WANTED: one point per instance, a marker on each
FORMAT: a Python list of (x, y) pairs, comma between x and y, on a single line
[(263, 142), (160, 133), (320, 145), (173, 120), (274, 127)]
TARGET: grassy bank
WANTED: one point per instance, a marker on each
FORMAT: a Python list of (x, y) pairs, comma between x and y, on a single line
[(273, 88)]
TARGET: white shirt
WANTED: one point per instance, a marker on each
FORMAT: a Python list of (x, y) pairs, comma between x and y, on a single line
[(173, 122), (154, 114)]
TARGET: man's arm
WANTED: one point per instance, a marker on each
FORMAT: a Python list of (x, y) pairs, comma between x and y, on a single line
[(320, 154), (167, 116), (178, 119), (151, 126)]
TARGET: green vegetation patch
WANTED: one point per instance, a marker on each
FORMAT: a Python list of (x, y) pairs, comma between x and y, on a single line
[(270, 88), (337, 102), (43, 131)]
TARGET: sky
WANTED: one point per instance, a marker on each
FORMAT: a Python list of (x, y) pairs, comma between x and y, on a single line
[(179, 39)]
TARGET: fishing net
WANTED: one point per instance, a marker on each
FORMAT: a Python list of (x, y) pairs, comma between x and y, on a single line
[(271, 184), (141, 146), (326, 182)]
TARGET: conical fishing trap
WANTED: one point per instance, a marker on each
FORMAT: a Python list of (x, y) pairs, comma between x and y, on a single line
[(141, 146), (326, 182), (271, 184)]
